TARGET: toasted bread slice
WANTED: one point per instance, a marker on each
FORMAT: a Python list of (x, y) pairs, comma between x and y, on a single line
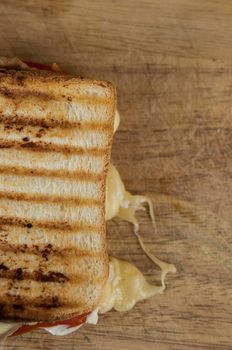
[(55, 140)]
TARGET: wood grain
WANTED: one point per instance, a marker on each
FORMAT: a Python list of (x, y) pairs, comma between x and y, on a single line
[(171, 62)]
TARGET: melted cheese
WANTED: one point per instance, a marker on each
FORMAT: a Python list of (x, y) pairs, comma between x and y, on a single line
[(122, 203), (7, 329), (116, 121), (115, 192), (4, 327), (126, 286), (55, 67)]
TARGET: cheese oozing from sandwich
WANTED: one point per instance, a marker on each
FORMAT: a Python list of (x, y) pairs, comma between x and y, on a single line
[(126, 284), (120, 202), (125, 287)]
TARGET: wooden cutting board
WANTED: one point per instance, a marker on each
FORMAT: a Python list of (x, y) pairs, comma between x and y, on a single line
[(171, 61)]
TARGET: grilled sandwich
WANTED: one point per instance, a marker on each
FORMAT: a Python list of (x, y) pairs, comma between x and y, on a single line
[(55, 140)]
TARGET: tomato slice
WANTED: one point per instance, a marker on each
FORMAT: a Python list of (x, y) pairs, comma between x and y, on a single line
[(38, 65), (72, 322)]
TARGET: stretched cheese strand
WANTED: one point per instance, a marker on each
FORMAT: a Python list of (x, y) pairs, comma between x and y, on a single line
[(135, 203), (165, 267), (132, 203)]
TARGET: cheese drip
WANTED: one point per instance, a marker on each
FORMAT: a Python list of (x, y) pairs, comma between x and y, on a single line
[(122, 203), (125, 287), (126, 284)]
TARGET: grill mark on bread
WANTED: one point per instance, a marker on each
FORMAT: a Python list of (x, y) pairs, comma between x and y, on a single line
[(54, 303), (42, 303), (18, 307), (39, 276), (41, 80), (9, 315), (15, 91), (51, 276), (22, 305), (3, 267), (25, 239), (65, 174), (51, 147), (40, 198), (54, 225), (38, 311), (52, 161), (46, 251), (9, 298), (73, 136), (46, 276), (47, 123)]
